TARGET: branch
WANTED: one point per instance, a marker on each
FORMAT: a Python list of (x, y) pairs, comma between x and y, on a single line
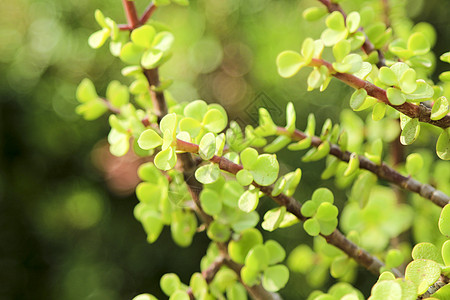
[(130, 11), (209, 273), (148, 13), (383, 171), (367, 47), (421, 112), (337, 239), (158, 99)]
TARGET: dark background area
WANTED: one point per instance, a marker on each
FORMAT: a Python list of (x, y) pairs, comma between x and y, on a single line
[(67, 229)]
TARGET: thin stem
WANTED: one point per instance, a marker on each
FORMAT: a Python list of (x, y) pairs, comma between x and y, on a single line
[(130, 11), (421, 112), (148, 13), (337, 239), (367, 47), (158, 99), (386, 8), (383, 171)]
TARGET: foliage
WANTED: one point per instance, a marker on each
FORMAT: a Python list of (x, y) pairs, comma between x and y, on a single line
[(205, 170)]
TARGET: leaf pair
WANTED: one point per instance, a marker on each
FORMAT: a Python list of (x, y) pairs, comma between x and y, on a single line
[(147, 48)]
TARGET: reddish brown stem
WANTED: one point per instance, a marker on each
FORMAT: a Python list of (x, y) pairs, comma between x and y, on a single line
[(158, 99), (148, 13), (421, 112), (130, 11)]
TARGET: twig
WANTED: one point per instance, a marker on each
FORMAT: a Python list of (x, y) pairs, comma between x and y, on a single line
[(383, 171), (130, 11), (148, 13), (158, 99), (421, 112), (337, 239)]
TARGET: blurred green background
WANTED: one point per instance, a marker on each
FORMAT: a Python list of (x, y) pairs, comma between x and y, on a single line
[(66, 225)]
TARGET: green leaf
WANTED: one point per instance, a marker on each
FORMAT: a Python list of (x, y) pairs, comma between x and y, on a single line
[(394, 258), (163, 41), (352, 63), (357, 99), (249, 200), (277, 144), (440, 108), (198, 285), (423, 273), (335, 21), (196, 109), (353, 21), (166, 159), (100, 18), (290, 117), (408, 81), (210, 201), (249, 156), (340, 266), (314, 13), (218, 232), (445, 57), (386, 290), (265, 169), (238, 249), (276, 252), (143, 36), (414, 163), (86, 91), (443, 145), (244, 177), (179, 295), (426, 251), (444, 221), (208, 173), (170, 283), (257, 258), (341, 50), (309, 208), (410, 132), (190, 125), (443, 293), (446, 252), (266, 125), (120, 146), (307, 50), (275, 278), (322, 195), (214, 121), (117, 94), (353, 165), (131, 53), (98, 38), (312, 227), (153, 225), (327, 212), (395, 96), (236, 292), (418, 44), (387, 76), (327, 227), (207, 146), (151, 58), (331, 36), (289, 63), (250, 276), (273, 218), (378, 112), (145, 297), (149, 139)]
